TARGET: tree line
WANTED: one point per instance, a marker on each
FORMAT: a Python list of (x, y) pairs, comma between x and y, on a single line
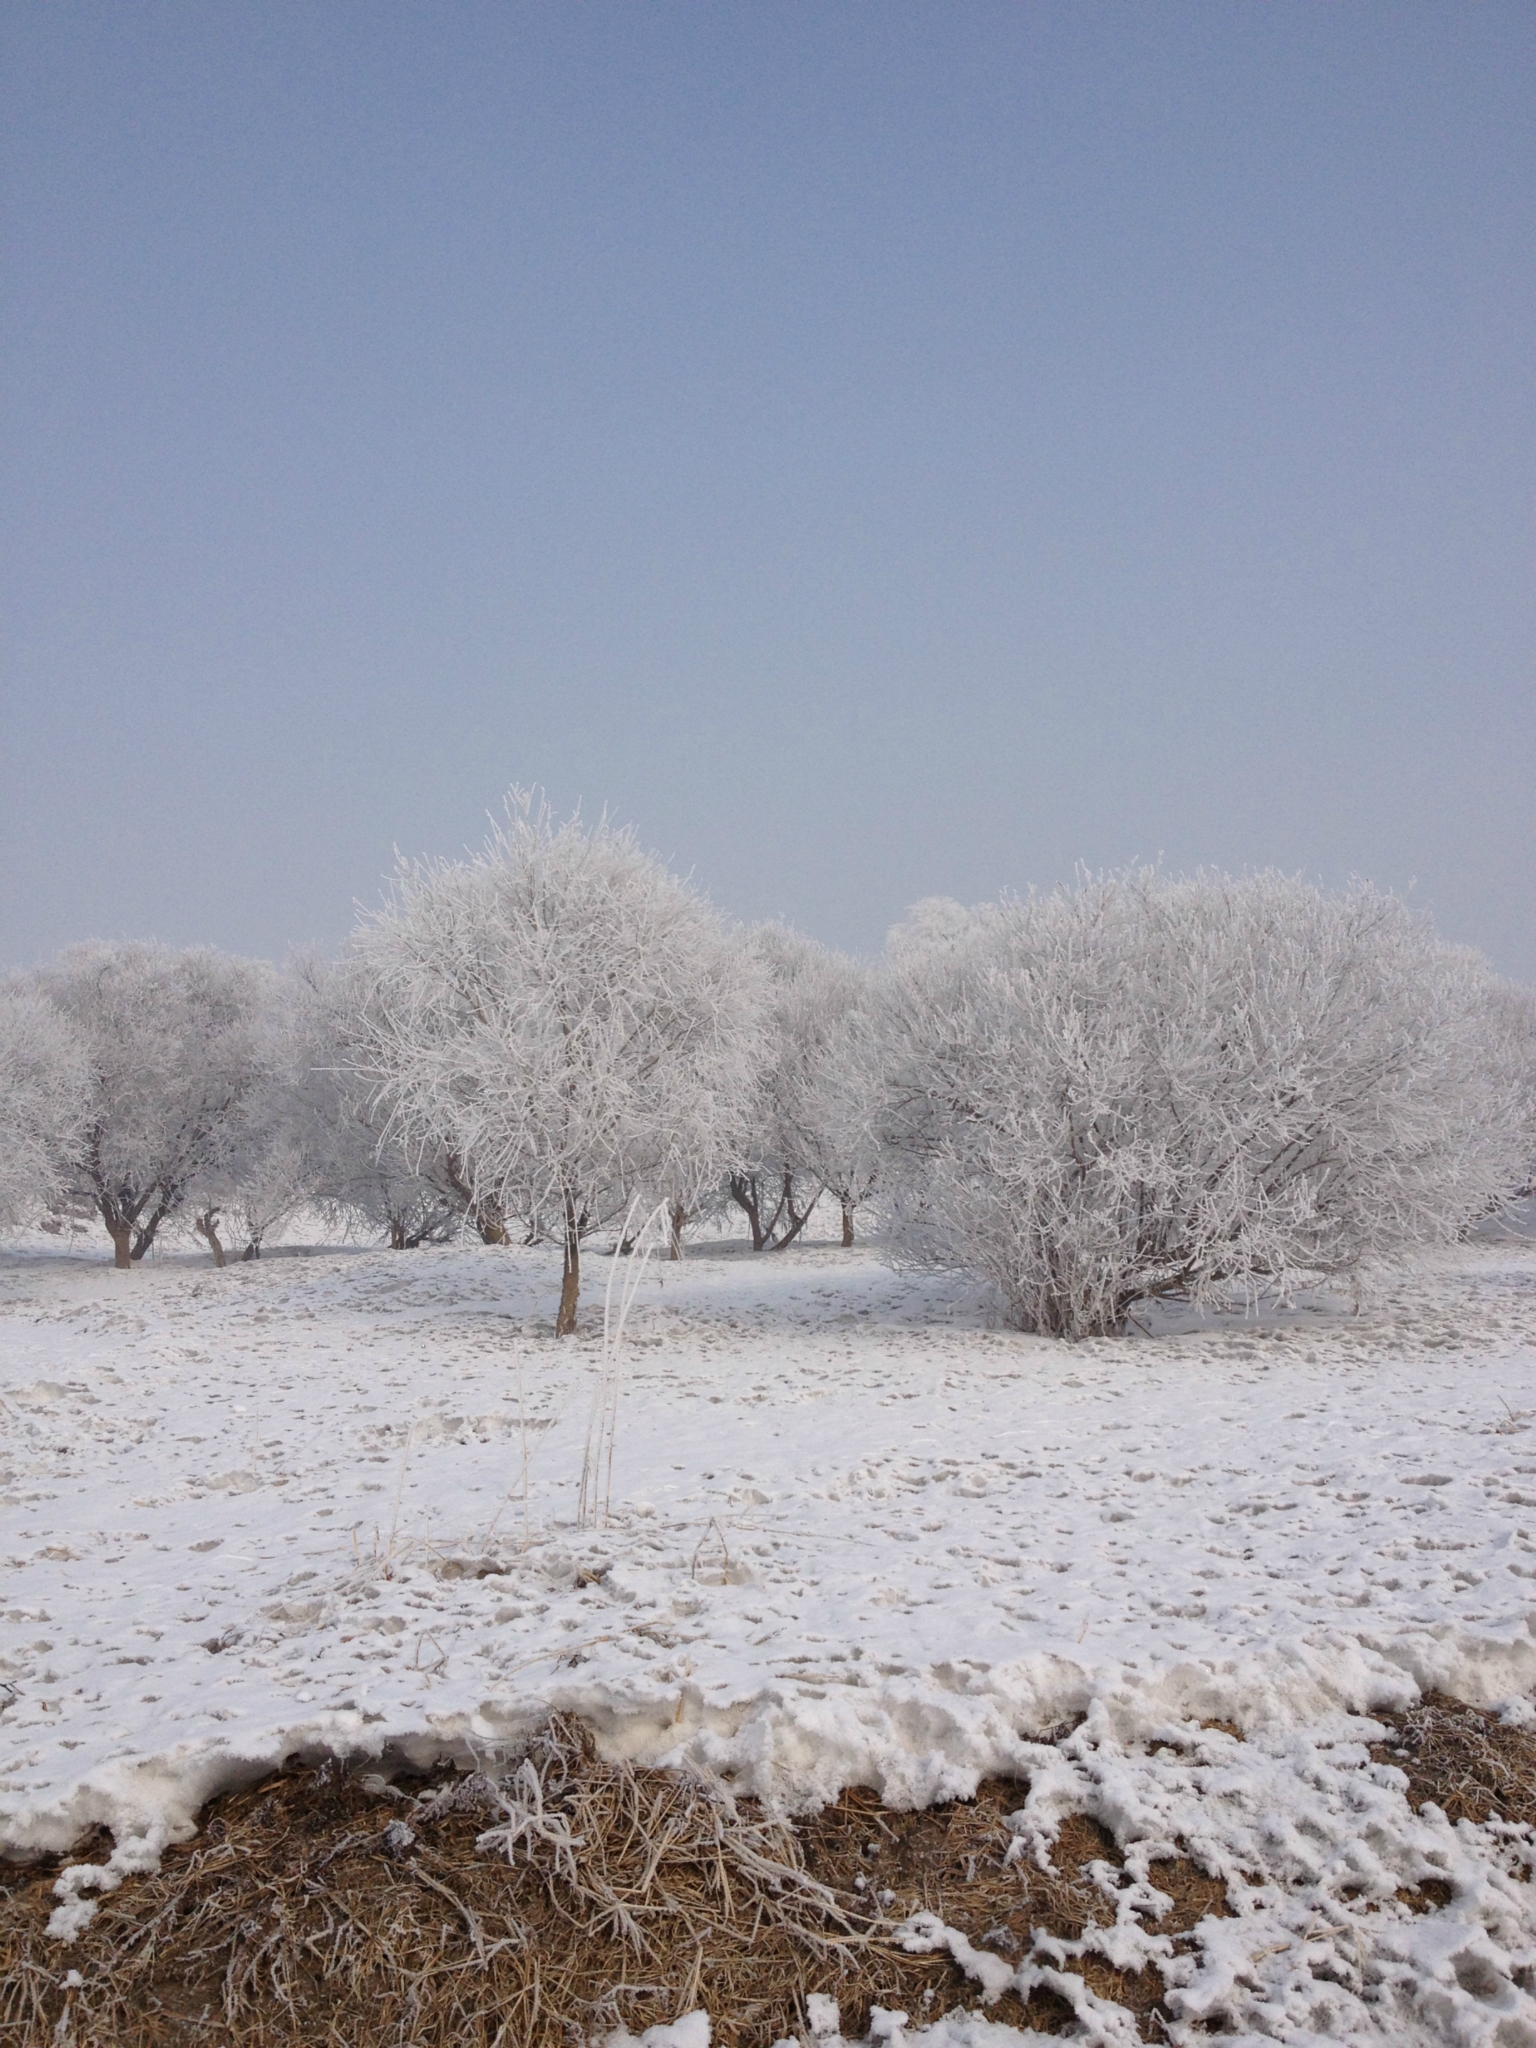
[(1137, 1087)]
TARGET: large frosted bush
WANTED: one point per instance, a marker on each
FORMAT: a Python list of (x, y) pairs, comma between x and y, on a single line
[(1146, 1087)]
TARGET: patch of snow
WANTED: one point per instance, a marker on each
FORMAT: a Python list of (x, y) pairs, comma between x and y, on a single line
[(326, 1504)]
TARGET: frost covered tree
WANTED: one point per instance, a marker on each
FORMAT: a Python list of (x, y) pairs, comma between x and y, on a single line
[(329, 1144), (1143, 1087), (418, 1191), (1518, 1032), (44, 1095), (817, 1104), (806, 1141), (565, 1018), (265, 1186), (172, 1040), (261, 1173), (937, 924)]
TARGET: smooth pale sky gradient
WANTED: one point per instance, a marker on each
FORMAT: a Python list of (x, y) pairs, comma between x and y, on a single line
[(878, 450)]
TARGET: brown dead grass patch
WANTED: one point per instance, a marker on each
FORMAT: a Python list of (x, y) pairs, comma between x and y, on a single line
[(313, 1910), (1471, 1764), (949, 1860), (316, 1911)]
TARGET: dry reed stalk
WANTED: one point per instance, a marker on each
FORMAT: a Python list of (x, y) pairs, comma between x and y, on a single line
[(633, 1252)]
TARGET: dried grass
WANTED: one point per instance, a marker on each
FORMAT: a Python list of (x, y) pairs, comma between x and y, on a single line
[(1465, 1759), (574, 1894), (949, 1860)]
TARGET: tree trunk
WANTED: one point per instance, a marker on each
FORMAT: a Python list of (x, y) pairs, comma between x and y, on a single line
[(397, 1234), (678, 1219), (144, 1237), (847, 1225), (744, 1195), (252, 1251), (798, 1218), (207, 1226), (119, 1229), (570, 1275), (486, 1214)]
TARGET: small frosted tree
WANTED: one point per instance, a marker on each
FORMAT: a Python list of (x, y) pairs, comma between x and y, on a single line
[(44, 1095), (418, 1190), (172, 1041), (316, 1137), (260, 1174), (1144, 1087), (563, 1016), (1516, 1031), (806, 1142)]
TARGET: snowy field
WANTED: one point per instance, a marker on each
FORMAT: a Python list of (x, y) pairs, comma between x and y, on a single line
[(857, 1536)]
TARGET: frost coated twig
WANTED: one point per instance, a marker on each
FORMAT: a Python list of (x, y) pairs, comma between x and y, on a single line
[(602, 1430), (394, 1521), (527, 1822), (522, 1427), (725, 1550)]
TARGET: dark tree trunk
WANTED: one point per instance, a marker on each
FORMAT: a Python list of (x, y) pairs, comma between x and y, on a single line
[(119, 1222), (397, 1234), (771, 1230), (847, 1210), (678, 1219), (746, 1194), (570, 1274), (486, 1214), (748, 1197), (143, 1238), (207, 1226), (797, 1218)]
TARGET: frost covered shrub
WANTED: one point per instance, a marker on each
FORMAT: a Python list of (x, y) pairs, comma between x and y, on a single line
[(1144, 1087), (804, 1142), (1520, 1026), (44, 1088), (173, 1043), (567, 1019), (357, 1170), (262, 1172)]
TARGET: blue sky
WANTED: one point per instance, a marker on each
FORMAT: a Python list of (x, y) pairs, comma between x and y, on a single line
[(879, 451)]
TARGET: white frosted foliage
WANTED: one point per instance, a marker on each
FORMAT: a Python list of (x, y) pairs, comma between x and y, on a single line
[(43, 1083), (807, 1141), (568, 1019), (1143, 1087), (354, 1167), (174, 1047)]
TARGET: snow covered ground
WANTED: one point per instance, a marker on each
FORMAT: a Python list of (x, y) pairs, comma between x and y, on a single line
[(856, 1536)]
